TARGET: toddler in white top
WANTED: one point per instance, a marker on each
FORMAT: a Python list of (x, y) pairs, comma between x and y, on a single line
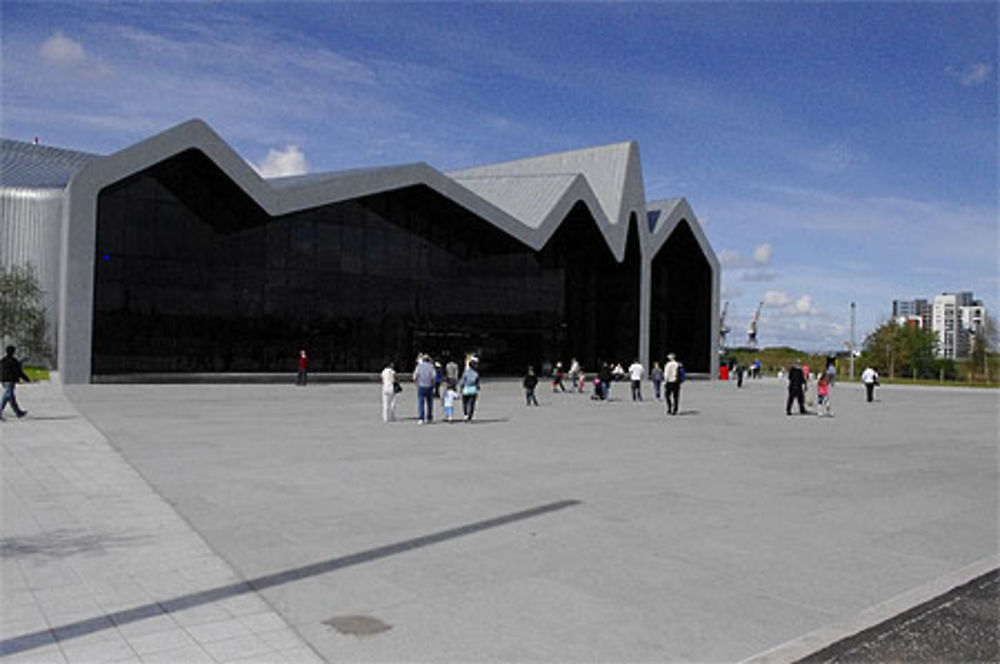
[(449, 403)]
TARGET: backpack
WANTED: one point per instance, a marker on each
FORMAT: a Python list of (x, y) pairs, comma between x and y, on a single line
[(681, 374)]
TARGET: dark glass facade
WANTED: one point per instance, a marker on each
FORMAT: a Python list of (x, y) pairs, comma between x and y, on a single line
[(192, 276), (681, 319)]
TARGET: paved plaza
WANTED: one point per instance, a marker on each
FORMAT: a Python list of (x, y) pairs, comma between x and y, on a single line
[(270, 523)]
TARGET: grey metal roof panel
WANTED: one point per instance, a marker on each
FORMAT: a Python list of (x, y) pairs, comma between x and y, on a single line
[(611, 171), (289, 182), (39, 166), (528, 198)]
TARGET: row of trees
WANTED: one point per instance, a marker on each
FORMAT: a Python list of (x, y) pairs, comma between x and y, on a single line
[(22, 318), (911, 352)]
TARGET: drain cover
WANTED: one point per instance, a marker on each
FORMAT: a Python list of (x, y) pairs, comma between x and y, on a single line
[(357, 625)]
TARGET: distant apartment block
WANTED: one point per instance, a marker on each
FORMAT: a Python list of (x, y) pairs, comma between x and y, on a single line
[(956, 318), (916, 313)]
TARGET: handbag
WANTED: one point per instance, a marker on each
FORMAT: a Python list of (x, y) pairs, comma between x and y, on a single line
[(469, 390), (396, 387)]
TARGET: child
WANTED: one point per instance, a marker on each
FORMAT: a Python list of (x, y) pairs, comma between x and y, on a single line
[(449, 402), (823, 396)]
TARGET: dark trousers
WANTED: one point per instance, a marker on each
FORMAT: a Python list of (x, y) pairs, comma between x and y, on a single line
[(795, 395), (303, 377), (636, 394), (870, 390), (469, 405), (673, 396), (529, 395)]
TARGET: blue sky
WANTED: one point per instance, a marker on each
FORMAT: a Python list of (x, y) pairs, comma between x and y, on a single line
[(833, 152)]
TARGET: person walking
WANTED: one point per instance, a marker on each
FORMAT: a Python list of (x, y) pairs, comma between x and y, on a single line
[(449, 402), (574, 376), (423, 377), (470, 388), (303, 376), (530, 382), (390, 386), (604, 376), (635, 374), (796, 385), (823, 396), (557, 378), (672, 388), (451, 374), (870, 379), (11, 372), (656, 375)]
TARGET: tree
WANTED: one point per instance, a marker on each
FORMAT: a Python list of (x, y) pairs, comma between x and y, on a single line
[(22, 318), (883, 346), (910, 350)]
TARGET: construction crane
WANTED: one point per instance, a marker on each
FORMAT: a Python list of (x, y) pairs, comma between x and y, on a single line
[(723, 330), (752, 329)]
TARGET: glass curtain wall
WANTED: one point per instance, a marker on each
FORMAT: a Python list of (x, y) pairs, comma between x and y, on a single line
[(192, 276), (681, 318)]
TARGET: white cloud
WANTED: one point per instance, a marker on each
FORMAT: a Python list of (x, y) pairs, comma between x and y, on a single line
[(762, 253), (735, 260), (973, 74), (773, 298), (281, 163), (61, 52), (804, 305)]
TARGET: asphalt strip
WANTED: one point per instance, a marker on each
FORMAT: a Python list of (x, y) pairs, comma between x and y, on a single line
[(824, 637)]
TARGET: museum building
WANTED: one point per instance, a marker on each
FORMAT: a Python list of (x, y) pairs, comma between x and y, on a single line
[(174, 256)]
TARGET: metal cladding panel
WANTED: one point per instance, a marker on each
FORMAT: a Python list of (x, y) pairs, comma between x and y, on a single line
[(606, 169), (30, 235), (39, 166), (528, 199)]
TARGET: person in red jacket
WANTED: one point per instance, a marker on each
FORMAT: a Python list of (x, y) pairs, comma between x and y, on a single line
[(303, 369)]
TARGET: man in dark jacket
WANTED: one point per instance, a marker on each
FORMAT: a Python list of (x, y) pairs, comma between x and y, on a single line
[(796, 386), (10, 373)]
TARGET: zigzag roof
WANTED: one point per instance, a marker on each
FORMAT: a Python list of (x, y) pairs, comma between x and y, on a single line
[(612, 172), (526, 198)]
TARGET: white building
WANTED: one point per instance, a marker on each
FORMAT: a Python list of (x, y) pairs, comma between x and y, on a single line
[(956, 318)]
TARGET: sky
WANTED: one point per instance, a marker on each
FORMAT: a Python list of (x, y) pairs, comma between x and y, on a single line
[(833, 152)]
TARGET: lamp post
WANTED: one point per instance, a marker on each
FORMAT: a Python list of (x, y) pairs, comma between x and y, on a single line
[(852, 341)]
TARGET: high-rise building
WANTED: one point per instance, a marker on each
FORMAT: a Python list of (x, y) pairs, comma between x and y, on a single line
[(956, 318)]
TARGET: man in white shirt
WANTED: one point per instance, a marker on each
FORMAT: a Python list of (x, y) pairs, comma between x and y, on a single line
[(635, 372), (672, 384), (870, 378)]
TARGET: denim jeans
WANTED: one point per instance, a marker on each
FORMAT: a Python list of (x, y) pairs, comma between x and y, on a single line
[(425, 400), (8, 397)]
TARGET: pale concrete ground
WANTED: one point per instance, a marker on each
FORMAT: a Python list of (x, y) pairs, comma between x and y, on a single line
[(718, 535), (92, 556)]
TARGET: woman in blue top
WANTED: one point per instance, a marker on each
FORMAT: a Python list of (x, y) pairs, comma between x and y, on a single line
[(469, 387)]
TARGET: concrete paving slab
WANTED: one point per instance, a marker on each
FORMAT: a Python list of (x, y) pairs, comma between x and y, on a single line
[(93, 558), (711, 536)]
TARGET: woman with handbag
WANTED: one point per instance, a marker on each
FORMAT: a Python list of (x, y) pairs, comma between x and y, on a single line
[(390, 386), (469, 385)]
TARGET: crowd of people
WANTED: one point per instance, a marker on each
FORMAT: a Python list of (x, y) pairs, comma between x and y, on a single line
[(430, 378), (450, 384)]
